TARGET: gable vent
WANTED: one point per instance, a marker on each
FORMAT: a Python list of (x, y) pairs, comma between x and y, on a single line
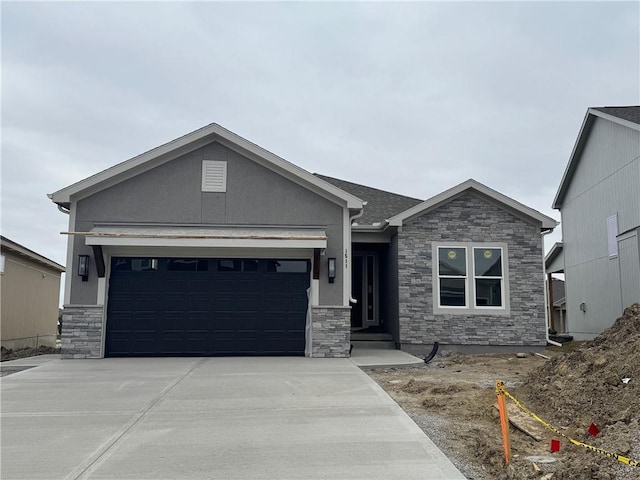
[(214, 176)]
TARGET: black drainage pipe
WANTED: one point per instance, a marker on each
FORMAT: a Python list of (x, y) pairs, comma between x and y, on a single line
[(433, 352)]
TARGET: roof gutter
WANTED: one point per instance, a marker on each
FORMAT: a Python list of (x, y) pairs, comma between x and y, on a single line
[(351, 219)]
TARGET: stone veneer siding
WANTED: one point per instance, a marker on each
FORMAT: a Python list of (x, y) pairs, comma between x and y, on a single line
[(471, 218), (82, 331), (331, 331)]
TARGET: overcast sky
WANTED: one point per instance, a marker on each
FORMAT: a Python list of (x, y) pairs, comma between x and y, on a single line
[(412, 98)]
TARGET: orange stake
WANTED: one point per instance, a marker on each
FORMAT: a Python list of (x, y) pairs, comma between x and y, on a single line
[(504, 421)]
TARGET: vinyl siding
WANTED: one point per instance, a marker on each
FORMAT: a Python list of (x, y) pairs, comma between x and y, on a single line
[(606, 182), (29, 294)]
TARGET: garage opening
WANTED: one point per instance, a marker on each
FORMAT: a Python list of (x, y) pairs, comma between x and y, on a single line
[(206, 307)]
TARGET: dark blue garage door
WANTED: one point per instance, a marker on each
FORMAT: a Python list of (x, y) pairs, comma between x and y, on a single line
[(206, 307)]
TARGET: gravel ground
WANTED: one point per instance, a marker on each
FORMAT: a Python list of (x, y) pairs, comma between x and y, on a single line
[(436, 428)]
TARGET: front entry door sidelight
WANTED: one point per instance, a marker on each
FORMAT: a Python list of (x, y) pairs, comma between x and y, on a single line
[(365, 289)]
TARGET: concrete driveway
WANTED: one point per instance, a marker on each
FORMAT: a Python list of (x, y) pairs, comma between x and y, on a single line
[(210, 418)]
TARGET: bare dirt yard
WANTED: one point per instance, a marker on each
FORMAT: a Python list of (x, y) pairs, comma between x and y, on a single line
[(452, 399)]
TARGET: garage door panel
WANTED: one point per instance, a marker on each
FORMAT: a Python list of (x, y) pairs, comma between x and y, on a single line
[(146, 284), (147, 302), (200, 285), (297, 304), (146, 319), (121, 345), (249, 303), (292, 324), (198, 301), (276, 303), (223, 322), (225, 302), (121, 301), (195, 321), (247, 309), (223, 344), (193, 342), (145, 344), (248, 321), (221, 284)]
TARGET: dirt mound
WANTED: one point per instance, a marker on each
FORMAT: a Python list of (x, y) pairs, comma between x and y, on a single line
[(597, 383)]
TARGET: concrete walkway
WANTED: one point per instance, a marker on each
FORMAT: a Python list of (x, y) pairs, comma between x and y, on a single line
[(210, 418), (378, 357)]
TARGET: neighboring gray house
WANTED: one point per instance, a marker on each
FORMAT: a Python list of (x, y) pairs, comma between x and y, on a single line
[(211, 245), (599, 201)]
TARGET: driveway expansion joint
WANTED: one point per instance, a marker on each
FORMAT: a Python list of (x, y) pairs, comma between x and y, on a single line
[(84, 470)]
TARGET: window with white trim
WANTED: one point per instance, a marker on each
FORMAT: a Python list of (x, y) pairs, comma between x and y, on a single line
[(470, 277), (488, 277), (452, 276)]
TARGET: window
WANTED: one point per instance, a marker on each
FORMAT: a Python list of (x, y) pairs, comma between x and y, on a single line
[(187, 264), (452, 275), (470, 277), (288, 266), (230, 266), (134, 264), (236, 265), (487, 271)]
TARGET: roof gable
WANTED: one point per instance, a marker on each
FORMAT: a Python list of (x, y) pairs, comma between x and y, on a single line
[(507, 203), (554, 260), (380, 205), (23, 251), (189, 142), (626, 116)]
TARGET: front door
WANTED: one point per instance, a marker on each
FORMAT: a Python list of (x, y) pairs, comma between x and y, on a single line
[(365, 290)]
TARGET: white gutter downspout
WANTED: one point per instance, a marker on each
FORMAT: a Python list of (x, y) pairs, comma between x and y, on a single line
[(351, 219), (63, 210), (546, 297)]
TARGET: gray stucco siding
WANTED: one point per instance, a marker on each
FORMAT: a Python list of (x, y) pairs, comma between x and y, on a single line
[(82, 293), (171, 194), (471, 218)]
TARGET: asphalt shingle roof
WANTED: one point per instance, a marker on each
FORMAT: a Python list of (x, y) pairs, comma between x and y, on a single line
[(380, 206), (631, 113)]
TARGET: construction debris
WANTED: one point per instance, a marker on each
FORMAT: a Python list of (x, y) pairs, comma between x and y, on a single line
[(524, 422), (584, 387)]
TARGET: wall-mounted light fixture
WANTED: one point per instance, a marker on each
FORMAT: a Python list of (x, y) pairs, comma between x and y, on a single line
[(583, 307), (83, 267), (332, 269)]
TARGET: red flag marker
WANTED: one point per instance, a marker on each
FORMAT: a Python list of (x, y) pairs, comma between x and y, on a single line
[(593, 430), (555, 445)]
